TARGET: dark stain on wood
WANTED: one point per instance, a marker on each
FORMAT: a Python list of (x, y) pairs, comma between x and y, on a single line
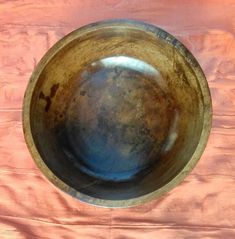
[(53, 91)]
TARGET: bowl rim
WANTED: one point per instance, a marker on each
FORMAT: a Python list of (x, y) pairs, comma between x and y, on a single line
[(158, 33)]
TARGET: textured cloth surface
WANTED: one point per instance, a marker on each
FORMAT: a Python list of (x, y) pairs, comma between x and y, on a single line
[(202, 206)]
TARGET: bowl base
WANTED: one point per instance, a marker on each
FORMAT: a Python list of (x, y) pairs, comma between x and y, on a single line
[(118, 118)]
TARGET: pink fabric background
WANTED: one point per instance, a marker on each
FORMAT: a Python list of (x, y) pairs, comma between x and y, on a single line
[(203, 206)]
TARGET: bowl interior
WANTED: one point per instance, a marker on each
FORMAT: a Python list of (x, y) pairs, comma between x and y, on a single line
[(117, 113)]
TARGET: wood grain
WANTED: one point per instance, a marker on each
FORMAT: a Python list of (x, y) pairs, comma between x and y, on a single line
[(203, 206)]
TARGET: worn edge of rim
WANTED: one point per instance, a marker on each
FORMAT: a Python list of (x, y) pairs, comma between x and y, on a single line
[(194, 158)]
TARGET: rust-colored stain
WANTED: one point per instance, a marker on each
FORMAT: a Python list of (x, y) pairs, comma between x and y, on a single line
[(201, 207)]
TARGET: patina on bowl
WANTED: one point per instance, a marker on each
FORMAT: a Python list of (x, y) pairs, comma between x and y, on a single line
[(117, 113)]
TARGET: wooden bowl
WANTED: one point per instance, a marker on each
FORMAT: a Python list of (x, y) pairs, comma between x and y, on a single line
[(117, 113)]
